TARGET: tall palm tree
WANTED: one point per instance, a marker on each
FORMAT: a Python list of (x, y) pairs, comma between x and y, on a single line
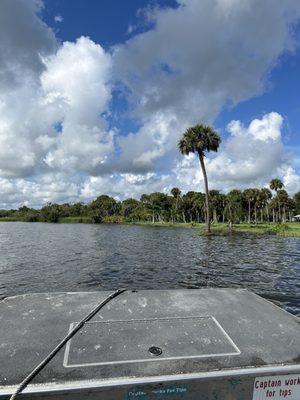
[(200, 139)]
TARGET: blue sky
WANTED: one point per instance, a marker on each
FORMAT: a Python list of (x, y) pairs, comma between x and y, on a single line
[(107, 22), (95, 95), (104, 21), (281, 94)]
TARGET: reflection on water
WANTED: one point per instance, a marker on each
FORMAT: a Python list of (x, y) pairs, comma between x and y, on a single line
[(37, 257)]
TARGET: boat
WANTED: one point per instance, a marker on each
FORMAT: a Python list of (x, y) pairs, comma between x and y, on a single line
[(208, 344)]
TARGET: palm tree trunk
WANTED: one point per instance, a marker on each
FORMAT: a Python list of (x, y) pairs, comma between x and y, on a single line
[(206, 193), (176, 207)]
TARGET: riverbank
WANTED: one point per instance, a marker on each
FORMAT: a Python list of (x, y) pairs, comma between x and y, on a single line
[(290, 229)]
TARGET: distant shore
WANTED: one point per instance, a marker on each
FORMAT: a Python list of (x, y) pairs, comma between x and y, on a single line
[(289, 229)]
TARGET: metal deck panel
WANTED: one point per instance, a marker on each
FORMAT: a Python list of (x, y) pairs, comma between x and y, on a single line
[(257, 335)]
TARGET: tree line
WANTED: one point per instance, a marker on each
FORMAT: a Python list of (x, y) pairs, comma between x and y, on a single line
[(253, 205)]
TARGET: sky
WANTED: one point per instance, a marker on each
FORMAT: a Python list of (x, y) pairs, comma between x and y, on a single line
[(94, 96)]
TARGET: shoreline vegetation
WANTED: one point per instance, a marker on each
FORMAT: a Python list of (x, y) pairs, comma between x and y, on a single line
[(253, 210), (269, 211), (289, 229)]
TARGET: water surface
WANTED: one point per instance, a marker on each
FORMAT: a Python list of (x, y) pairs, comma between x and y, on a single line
[(40, 257)]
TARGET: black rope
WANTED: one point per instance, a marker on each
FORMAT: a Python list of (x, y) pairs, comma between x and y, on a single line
[(49, 357)]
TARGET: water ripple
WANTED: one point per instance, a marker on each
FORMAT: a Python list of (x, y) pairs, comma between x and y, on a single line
[(36, 257)]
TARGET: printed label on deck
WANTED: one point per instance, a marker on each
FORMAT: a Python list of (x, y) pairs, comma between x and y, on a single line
[(282, 387)]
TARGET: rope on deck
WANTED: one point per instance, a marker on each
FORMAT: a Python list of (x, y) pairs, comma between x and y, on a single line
[(49, 357)]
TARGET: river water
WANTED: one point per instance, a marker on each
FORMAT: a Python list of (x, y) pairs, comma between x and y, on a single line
[(40, 257)]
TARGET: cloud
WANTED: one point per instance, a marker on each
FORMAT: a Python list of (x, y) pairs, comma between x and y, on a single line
[(76, 89), (198, 58), (58, 18), (71, 94), (24, 39), (291, 179), (122, 186), (251, 153), (57, 140), (251, 156), (50, 187)]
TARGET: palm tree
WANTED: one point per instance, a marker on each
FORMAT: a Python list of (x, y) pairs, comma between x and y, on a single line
[(276, 184), (256, 203), (234, 208), (249, 195), (176, 192), (283, 200), (265, 196), (215, 200), (200, 139)]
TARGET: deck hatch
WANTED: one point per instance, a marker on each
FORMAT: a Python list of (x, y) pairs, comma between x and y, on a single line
[(119, 342)]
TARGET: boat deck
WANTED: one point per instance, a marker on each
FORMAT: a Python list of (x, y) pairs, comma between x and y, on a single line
[(144, 336)]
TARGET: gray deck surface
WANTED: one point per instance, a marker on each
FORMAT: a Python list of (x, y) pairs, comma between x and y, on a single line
[(197, 330)]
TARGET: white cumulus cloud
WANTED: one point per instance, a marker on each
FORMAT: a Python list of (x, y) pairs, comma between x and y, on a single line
[(251, 156), (75, 83), (198, 58), (57, 142)]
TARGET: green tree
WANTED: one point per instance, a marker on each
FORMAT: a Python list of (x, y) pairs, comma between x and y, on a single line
[(216, 203), (134, 210), (50, 213), (78, 209), (290, 208), (103, 207), (234, 208), (264, 197), (249, 195), (256, 193), (192, 206), (199, 206), (276, 184), (283, 203), (297, 202), (176, 193), (201, 139), (158, 204)]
